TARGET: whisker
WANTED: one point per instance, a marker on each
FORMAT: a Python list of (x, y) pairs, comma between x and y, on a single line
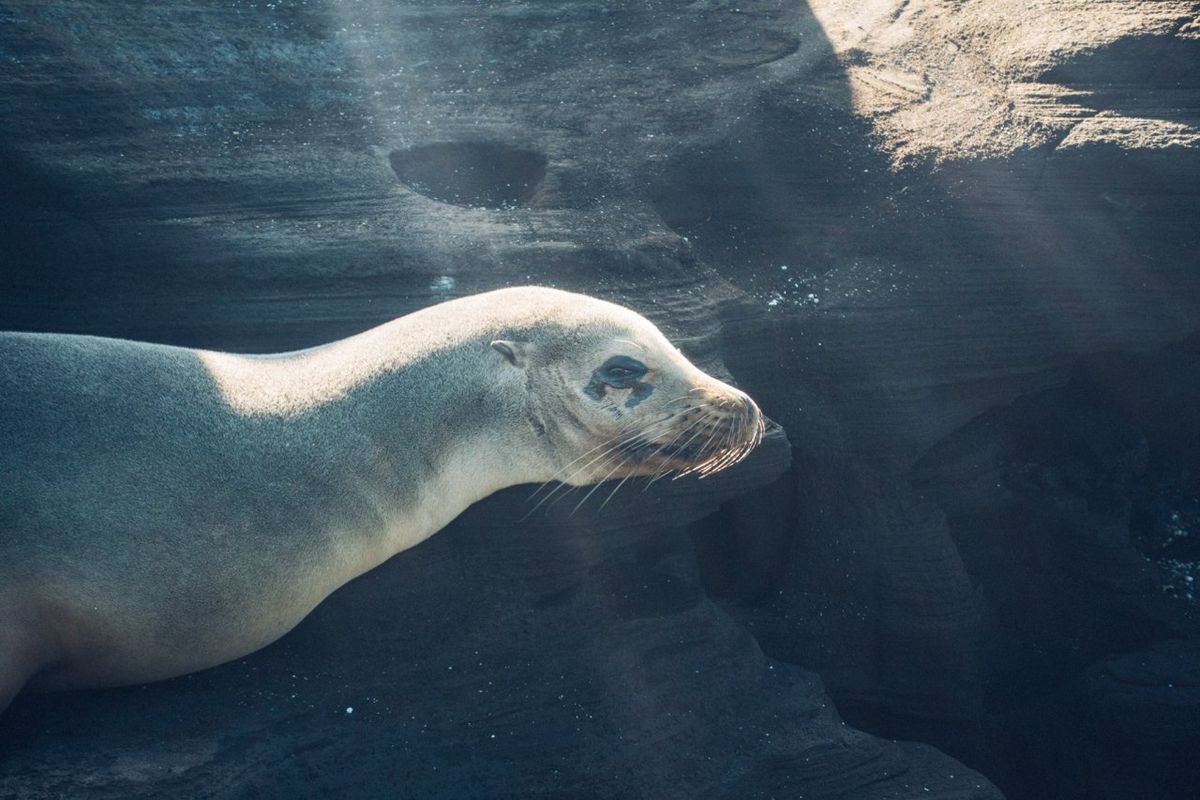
[(714, 453), (602, 458), (617, 460), (665, 446), (677, 399), (597, 486), (614, 491), (657, 477), (748, 444), (694, 467), (724, 446), (709, 453), (634, 437), (622, 431), (737, 451), (724, 453)]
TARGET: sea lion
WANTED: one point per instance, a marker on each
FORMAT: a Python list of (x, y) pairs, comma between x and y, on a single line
[(165, 509)]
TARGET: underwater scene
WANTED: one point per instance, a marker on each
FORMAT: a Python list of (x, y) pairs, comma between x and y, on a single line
[(572, 399)]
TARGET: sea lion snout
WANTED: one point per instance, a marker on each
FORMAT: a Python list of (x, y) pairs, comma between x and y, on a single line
[(711, 427), (727, 426)]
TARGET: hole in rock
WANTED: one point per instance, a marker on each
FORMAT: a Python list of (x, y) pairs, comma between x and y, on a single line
[(471, 174)]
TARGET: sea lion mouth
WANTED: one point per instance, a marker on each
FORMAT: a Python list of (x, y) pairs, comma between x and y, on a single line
[(704, 439), (699, 437)]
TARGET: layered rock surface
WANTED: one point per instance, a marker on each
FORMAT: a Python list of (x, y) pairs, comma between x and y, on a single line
[(886, 220)]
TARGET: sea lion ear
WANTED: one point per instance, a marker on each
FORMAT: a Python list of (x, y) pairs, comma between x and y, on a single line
[(513, 351)]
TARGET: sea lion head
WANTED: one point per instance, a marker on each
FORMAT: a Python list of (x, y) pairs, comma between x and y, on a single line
[(615, 398)]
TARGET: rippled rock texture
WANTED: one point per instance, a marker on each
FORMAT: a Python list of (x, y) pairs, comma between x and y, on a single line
[(951, 248)]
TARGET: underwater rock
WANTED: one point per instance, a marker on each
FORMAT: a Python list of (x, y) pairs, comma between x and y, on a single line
[(884, 221)]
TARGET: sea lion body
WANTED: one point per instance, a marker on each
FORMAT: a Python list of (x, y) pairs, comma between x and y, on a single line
[(164, 509)]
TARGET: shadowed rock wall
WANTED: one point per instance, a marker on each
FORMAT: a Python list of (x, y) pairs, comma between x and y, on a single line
[(887, 221)]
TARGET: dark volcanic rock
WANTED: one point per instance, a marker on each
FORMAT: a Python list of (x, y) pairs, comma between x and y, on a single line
[(227, 176), (1070, 511), (901, 226)]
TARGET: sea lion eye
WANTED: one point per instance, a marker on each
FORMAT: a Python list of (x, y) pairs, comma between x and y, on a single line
[(619, 371)]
